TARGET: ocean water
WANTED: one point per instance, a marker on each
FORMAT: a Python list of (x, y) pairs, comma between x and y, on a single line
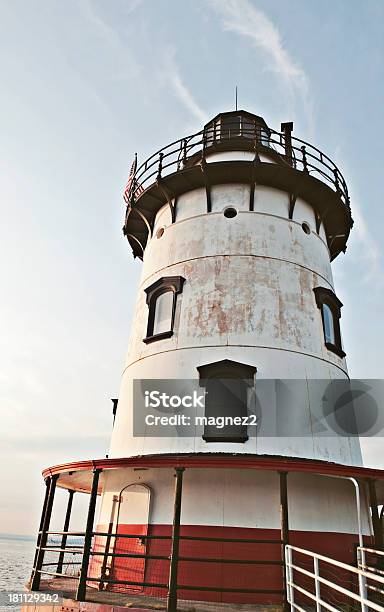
[(16, 558)]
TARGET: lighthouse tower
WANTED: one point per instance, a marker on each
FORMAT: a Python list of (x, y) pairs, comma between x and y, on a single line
[(236, 227)]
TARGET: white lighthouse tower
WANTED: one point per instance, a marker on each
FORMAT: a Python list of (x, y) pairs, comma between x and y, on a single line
[(237, 227)]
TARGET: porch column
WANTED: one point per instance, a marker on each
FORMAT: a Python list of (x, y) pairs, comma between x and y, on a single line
[(82, 584), (47, 483), (377, 527), (172, 588), (284, 529), (45, 522)]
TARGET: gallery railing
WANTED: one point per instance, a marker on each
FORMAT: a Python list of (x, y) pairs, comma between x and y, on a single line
[(289, 151)]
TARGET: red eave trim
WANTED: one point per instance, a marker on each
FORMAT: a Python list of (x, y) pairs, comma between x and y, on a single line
[(256, 462)]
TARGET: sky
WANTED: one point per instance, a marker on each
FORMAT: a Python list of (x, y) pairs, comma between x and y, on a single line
[(84, 85)]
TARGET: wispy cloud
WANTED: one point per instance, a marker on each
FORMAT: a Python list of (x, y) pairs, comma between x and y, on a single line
[(132, 69), (172, 74), (366, 253), (245, 19), (369, 253)]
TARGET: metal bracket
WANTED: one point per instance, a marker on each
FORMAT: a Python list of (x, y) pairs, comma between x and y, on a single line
[(146, 221), (169, 197), (256, 160), (204, 169), (137, 242), (292, 202), (318, 222)]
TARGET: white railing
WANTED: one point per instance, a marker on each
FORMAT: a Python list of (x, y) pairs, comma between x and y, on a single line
[(364, 580), (376, 569)]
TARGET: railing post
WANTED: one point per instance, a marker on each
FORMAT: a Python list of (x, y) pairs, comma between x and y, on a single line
[(174, 559), (160, 167), (65, 528), (377, 528), (305, 163), (317, 583), (290, 592), (36, 575), (362, 591), (284, 527), (43, 510), (82, 584), (337, 183)]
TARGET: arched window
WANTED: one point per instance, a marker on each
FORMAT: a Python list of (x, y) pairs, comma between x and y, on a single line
[(161, 300), (226, 383), (162, 321), (330, 307), (329, 330)]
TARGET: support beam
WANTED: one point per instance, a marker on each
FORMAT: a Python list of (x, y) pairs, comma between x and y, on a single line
[(82, 584), (377, 527), (36, 575), (284, 528), (65, 529), (256, 160), (144, 219), (204, 169), (170, 198), (115, 402), (172, 588), (47, 483)]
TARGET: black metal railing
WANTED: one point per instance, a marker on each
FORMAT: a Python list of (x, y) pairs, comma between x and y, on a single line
[(102, 572), (286, 150)]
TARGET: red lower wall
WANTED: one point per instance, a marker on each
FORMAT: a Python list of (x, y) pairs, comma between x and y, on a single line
[(340, 546)]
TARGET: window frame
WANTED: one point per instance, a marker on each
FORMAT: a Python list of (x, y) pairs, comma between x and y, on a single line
[(325, 296), (160, 286), (227, 369)]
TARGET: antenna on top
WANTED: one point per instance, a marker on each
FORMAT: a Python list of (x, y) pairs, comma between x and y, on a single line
[(236, 97)]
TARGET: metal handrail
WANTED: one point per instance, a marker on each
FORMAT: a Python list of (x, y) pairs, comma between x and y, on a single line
[(44, 569), (361, 597), (362, 551), (178, 154)]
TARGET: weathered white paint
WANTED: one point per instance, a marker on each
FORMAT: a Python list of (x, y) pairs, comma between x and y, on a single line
[(242, 498), (248, 297)]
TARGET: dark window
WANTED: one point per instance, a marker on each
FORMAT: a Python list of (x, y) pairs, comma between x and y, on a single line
[(330, 308), (227, 384), (248, 128), (264, 137), (161, 300), (230, 126)]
